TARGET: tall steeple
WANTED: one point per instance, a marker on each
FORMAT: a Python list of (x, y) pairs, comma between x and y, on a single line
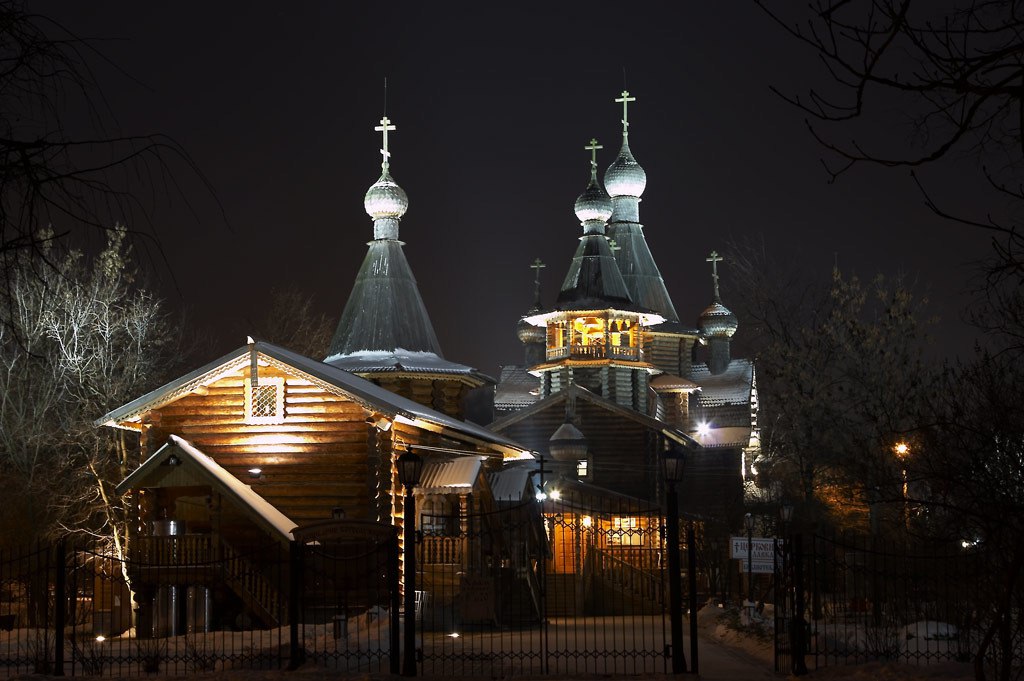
[(384, 312), (625, 181), (594, 335), (384, 329), (593, 280)]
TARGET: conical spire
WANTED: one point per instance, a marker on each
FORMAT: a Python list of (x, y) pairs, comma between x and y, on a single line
[(625, 181), (593, 279), (384, 312)]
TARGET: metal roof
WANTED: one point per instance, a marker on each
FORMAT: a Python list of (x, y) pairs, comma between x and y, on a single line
[(328, 377), (639, 272), (455, 475), (384, 312), (401, 360), (732, 386), (516, 388), (156, 467), (593, 280)]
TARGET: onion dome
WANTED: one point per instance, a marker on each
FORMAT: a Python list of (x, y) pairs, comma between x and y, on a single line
[(528, 333), (567, 444), (385, 199), (717, 321), (594, 204), (625, 177)]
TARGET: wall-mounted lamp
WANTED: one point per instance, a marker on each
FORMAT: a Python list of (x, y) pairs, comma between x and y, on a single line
[(173, 460), (255, 473)]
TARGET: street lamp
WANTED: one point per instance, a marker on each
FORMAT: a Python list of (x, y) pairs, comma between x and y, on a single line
[(748, 523), (902, 451), (673, 462), (410, 467)]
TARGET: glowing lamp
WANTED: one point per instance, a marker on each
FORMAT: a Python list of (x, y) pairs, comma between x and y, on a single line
[(410, 467)]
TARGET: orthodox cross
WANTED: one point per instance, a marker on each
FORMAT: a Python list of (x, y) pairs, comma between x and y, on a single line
[(614, 246), (714, 259), (537, 266), (384, 127), (625, 99), (541, 471), (592, 148)]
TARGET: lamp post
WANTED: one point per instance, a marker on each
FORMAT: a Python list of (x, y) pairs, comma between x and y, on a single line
[(410, 466), (673, 462), (748, 523), (902, 451)]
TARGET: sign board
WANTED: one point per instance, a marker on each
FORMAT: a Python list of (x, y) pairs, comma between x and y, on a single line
[(762, 548), (760, 567)]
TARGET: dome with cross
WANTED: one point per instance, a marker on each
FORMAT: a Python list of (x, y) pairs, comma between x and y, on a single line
[(385, 199)]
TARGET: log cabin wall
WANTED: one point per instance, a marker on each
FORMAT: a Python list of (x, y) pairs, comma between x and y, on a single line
[(670, 353), (620, 450), (445, 395), (317, 459)]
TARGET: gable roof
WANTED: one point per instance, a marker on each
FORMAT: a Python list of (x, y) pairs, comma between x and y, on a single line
[(331, 379), (156, 468), (582, 393), (732, 386)]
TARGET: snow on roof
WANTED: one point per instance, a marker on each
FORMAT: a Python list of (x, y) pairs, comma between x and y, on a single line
[(242, 493), (510, 484), (452, 475), (672, 383), (516, 388), (733, 386), (375, 361), (330, 378)]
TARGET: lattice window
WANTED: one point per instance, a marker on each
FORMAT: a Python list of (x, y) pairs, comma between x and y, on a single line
[(264, 402), (582, 468)]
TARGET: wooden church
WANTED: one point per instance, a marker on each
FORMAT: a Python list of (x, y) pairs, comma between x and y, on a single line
[(245, 454)]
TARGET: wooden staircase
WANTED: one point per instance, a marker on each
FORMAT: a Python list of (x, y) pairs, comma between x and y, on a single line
[(259, 595)]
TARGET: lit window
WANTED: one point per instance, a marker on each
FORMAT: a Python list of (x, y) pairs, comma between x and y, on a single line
[(626, 532), (582, 468), (264, 402)]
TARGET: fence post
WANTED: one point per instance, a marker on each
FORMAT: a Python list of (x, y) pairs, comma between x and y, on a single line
[(799, 625), (60, 603), (296, 653), (396, 603), (691, 543)]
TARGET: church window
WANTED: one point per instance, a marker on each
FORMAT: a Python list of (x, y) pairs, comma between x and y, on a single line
[(582, 468), (264, 402), (626, 531)]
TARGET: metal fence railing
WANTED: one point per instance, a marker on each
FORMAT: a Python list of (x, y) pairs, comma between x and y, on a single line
[(868, 599)]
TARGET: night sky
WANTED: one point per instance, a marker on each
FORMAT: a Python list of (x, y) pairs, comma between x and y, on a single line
[(276, 104)]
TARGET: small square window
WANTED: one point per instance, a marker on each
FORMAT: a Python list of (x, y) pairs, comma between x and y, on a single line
[(264, 402)]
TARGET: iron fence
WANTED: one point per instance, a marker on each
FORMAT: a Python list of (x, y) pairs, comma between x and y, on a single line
[(865, 599), (569, 586)]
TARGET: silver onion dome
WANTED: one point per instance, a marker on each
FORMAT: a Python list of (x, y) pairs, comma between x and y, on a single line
[(593, 204), (528, 333), (385, 199), (717, 321), (625, 177)]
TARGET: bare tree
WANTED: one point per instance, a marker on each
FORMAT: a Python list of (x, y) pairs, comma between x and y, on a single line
[(951, 74), (63, 160), (291, 320), (842, 376), (80, 339)]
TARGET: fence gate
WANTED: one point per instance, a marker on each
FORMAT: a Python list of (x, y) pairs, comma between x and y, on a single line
[(570, 586)]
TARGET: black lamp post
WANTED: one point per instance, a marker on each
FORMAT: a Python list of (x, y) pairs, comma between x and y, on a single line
[(410, 466), (799, 627), (673, 462), (748, 523)]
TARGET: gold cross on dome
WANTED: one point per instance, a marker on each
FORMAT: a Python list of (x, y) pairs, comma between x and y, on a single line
[(714, 259), (384, 127), (625, 99)]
